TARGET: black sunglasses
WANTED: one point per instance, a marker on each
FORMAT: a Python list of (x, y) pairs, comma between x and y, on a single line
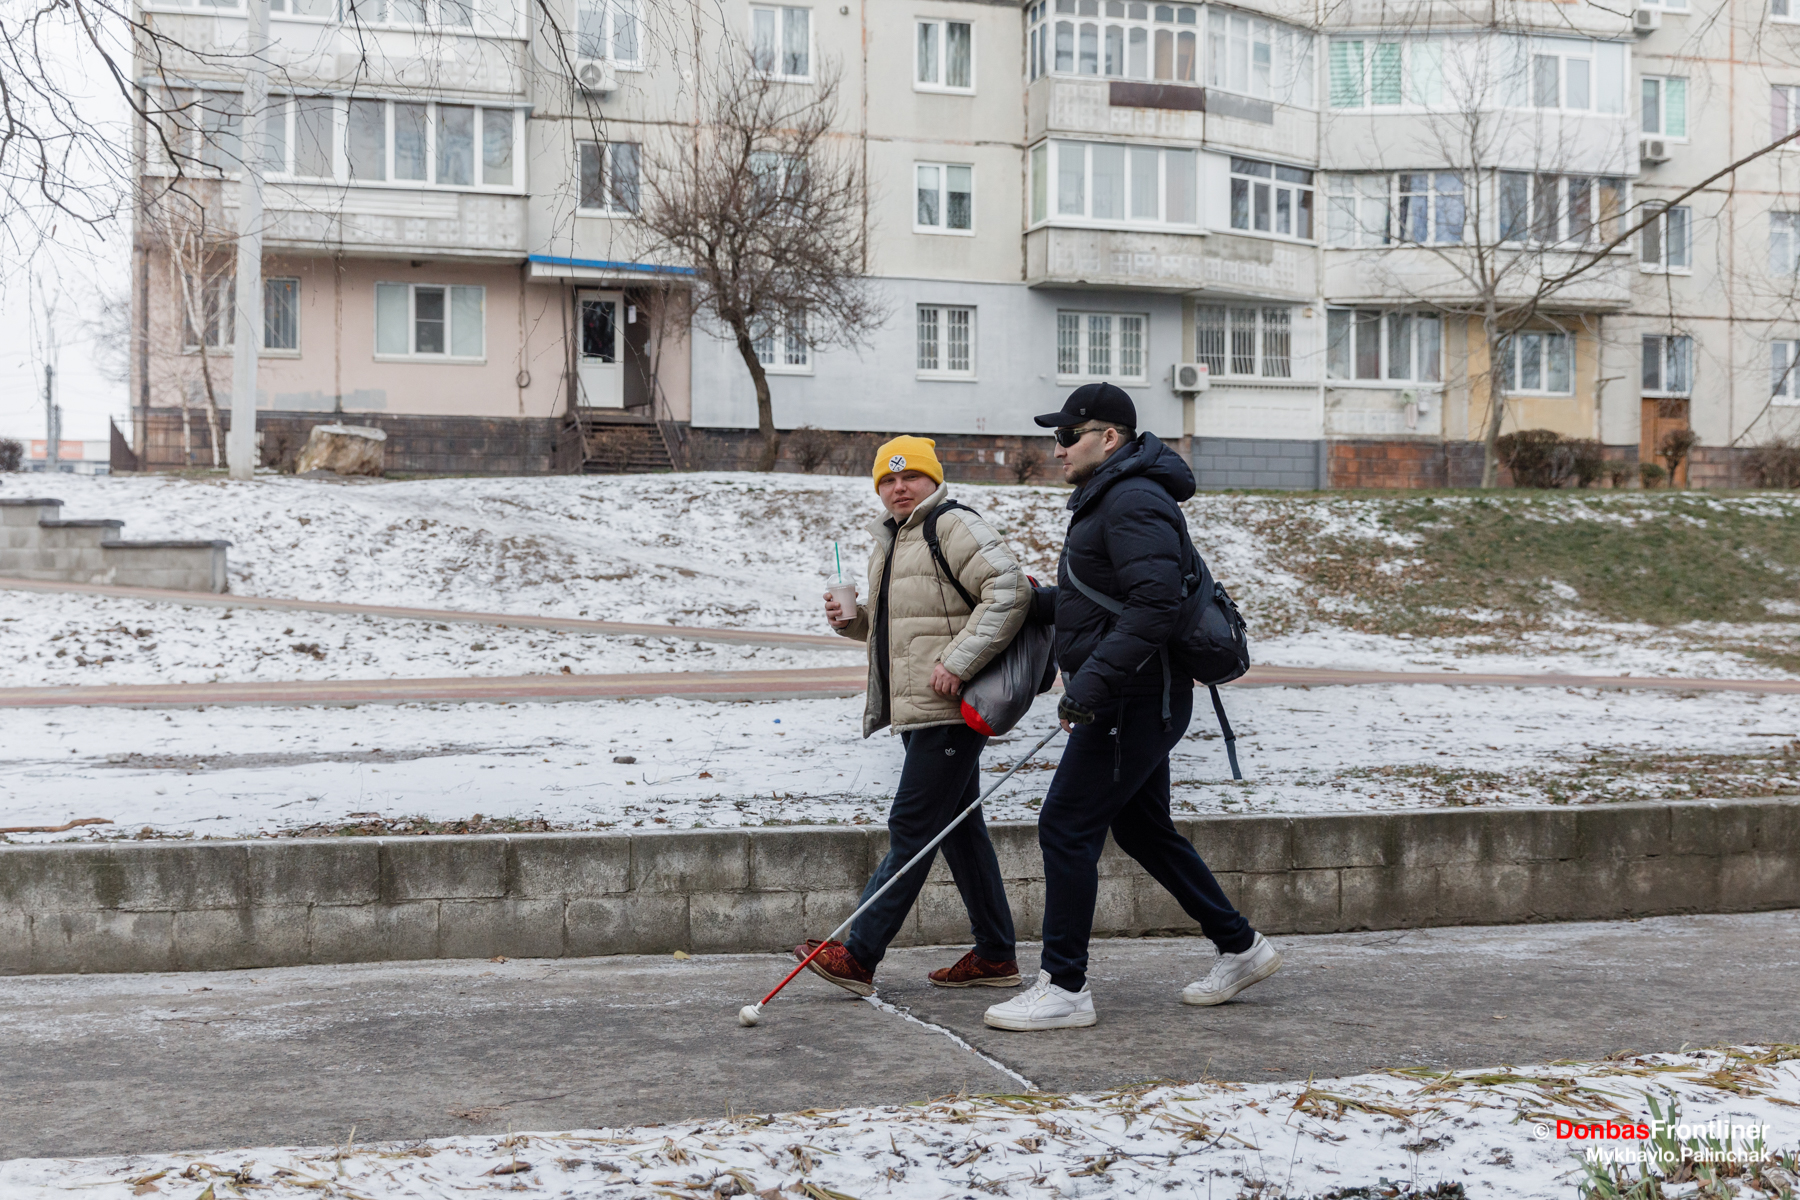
[(1068, 435)]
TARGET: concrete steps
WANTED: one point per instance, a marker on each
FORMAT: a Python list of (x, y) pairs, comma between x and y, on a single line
[(36, 544)]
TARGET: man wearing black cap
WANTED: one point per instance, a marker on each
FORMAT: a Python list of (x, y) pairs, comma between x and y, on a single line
[(1123, 711)]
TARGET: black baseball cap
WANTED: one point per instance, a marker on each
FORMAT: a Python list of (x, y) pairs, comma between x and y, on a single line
[(1093, 402)]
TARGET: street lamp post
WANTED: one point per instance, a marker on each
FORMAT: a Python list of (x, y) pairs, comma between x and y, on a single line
[(248, 337)]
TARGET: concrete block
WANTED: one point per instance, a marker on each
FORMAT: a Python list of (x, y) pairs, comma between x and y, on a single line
[(1489, 892), (799, 860), (1267, 899), (1317, 903), (1622, 831), (1154, 909), (1240, 843), (1387, 897), (1758, 880), (1529, 834), (637, 923), (823, 911), (314, 871), (229, 939), (79, 943), (139, 877), (1027, 902), (1670, 883), (442, 868), (564, 866), (515, 928), (1115, 906), (15, 941), (938, 917), (691, 861), (1016, 849), (1115, 863), (1431, 839), (1711, 829), (1347, 840), (746, 922), (1777, 826), (374, 932)]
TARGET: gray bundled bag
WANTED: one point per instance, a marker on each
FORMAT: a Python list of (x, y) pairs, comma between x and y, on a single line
[(1001, 693)]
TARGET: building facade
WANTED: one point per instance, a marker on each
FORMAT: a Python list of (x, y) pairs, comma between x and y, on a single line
[(1335, 212)]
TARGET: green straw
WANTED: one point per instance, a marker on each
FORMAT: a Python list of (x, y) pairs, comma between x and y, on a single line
[(838, 555)]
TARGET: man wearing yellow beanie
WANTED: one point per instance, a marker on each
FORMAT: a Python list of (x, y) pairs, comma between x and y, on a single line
[(929, 630)]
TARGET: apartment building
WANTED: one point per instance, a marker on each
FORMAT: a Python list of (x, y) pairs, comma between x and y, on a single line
[(1327, 209)]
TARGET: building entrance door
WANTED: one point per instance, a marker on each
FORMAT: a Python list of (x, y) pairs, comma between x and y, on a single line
[(600, 333), (1660, 416)]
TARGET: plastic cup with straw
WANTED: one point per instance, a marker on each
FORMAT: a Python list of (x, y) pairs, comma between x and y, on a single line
[(840, 584)]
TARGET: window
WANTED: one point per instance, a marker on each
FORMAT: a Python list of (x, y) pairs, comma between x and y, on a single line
[(780, 182), (281, 314), (1271, 198), (430, 321), (1369, 344), (1668, 364), (1784, 362), (1132, 39), (1424, 72), (1118, 184), (1663, 110), (784, 347), (607, 29), (1784, 242), (1784, 111), (198, 129), (1663, 242), (945, 57), (1577, 75), (386, 141), (1245, 341), (946, 341), (609, 177), (1387, 73), (1359, 210), (451, 13), (781, 41), (1254, 57), (945, 194), (1559, 209), (324, 9), (1538, 362), (1100, 346), (1423, 207), (1780, 10)]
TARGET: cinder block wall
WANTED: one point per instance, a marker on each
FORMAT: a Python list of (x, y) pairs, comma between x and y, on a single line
[(1259, 463), (173, 906), (35, 544)]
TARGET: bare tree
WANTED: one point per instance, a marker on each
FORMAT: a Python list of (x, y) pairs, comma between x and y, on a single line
[(768, 206), (181, 221)]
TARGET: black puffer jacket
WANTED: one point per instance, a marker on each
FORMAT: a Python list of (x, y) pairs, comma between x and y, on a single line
[(1124, 541)]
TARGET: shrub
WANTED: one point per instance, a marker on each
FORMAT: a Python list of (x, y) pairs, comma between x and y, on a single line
[(1774, 464), (12, 455), (1587, 459), (812, 447), (1675, 447), (1651, 474), (1617, 473), (1024, 463), (1537, 458)]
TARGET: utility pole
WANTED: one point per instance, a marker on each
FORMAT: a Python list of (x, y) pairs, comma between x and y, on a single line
[(248, 336), (52, 423)]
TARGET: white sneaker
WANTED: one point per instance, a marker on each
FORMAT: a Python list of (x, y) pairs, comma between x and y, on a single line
[(1043, 1005), (1232, 973)]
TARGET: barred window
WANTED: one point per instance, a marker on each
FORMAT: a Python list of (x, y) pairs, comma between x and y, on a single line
[(1244, 341), (1100, 346), (946, 340)]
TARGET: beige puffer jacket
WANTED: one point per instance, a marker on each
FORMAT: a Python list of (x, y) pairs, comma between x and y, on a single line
[(928, 622)]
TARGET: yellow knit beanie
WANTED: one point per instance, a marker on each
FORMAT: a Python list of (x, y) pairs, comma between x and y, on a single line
[(908, 454)]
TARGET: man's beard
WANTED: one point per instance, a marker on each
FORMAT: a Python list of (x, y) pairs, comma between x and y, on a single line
[(1080, 475)]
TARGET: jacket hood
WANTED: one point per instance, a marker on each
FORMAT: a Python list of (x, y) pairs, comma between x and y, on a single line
[(1145, 457)]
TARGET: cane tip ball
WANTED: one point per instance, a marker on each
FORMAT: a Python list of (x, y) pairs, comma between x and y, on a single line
[(749, 1015)]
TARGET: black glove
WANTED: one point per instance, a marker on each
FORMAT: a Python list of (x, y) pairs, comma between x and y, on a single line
[(1073, 713)]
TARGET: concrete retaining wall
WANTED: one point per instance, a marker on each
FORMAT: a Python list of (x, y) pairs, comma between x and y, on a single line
[(175, 906), (34, 544)]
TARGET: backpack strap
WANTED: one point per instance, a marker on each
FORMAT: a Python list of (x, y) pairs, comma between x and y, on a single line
[(929, 529), (1225, 728)]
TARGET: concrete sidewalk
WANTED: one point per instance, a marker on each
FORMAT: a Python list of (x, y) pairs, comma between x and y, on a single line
[(117, 1064)]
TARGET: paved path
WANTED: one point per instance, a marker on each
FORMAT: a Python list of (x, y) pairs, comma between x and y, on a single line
[(692, 633), (779, 684), (104, 1064)]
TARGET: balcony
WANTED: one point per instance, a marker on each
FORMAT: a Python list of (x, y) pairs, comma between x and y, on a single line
[(393, 220), (1401, 274)]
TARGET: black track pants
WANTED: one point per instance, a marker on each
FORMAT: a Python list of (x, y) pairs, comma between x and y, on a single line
[(1084, 802)]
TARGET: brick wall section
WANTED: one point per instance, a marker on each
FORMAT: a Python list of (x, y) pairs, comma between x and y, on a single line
[(175, 906), (1258, 463), (416, 445), (1388, 465)]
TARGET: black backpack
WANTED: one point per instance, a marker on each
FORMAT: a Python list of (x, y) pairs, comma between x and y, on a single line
[(1210, 644)]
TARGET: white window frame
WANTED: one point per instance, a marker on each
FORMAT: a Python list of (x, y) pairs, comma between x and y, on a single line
[(1663, 84), (1784, 243), (1783, 11), (1784, 109), (779, 15), (606, 40), (432, 11), (340, 148), (1656, 242), (284, 10), (1242, 172), (1050, 164), (270, 285), (608, 154), (932, 338), (794, 354), (1221, 331), (218, 311), (1673, 351), (1048, 22), (413, 354), (1510, 371), (1601, 227), (1116, 329), (1784, 371), (1386, 323), (943, 226), (1232, 40), (941, 65)]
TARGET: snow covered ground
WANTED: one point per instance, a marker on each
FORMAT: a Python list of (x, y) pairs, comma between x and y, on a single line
[(1505, 1132), (244, 771)]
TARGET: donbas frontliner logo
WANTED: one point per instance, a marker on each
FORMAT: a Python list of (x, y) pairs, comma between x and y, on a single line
[(1720, 1142)]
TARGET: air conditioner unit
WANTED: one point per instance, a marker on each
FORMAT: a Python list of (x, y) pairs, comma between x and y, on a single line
[(1646, 20), (595, 75), (1653, 150), (1191, 377)]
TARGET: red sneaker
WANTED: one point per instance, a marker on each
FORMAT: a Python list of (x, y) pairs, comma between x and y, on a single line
[(972, 970), (835, 963)]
